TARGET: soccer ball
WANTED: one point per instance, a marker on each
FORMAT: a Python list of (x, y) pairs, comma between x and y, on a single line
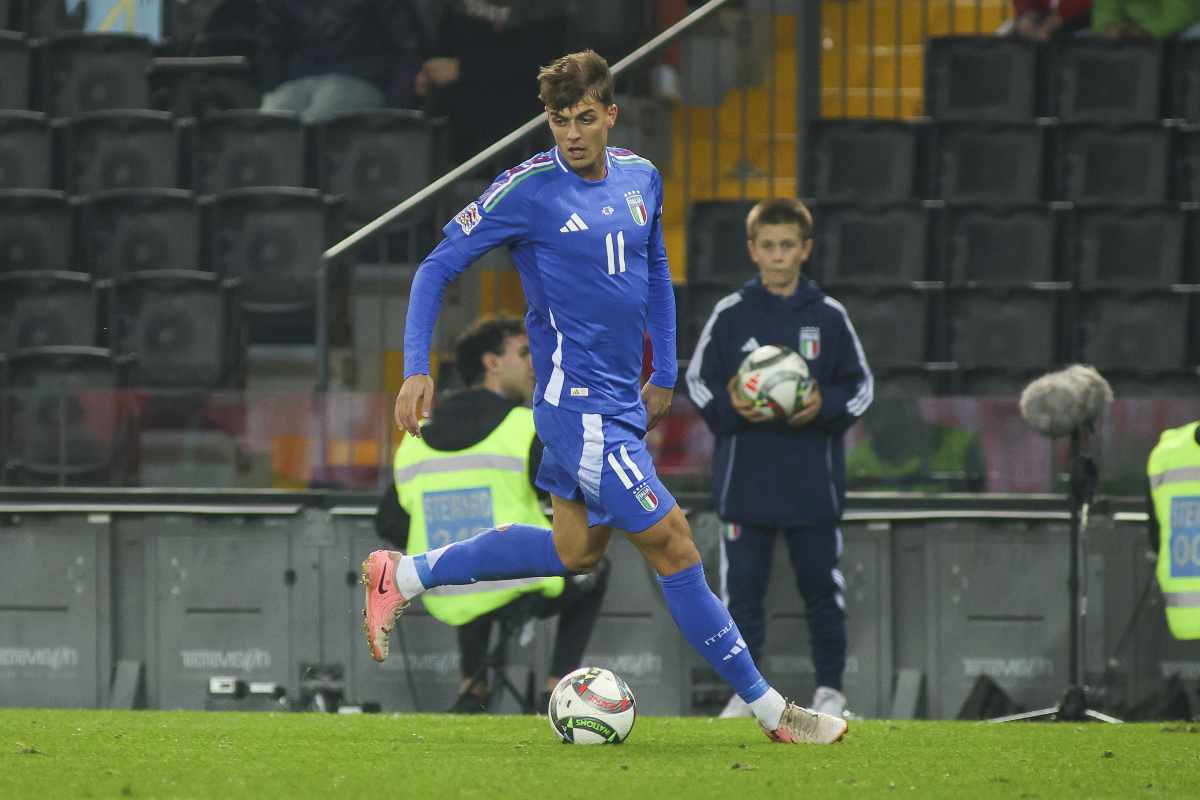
[(775, 378), (592, 706)]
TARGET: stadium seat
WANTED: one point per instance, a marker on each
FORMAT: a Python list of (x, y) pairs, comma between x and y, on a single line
[(717, 242), (46, 308), (1183, 76), (25, 151), (1129, 247), (1135, 331), (38, 230), (1114, 164), (857, 161), (377, 159), (993, 382), (881, 245), (994, 162), (1010, 328), (199, 86), (1106, 80), (94, 71), (1001, 245), (180, 328), (132, 230), (65, 421), (1187, 163), (892, 323), (121, 150), (8, 20), (272, 239), (14, 70), (241, 148), (981, 78)]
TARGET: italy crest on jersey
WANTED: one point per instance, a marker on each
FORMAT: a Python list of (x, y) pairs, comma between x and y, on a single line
[(810, 343), (637, 207)]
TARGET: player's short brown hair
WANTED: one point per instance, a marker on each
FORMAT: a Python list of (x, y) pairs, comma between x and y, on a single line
[(780, 211), (485, 335), (574, 78)]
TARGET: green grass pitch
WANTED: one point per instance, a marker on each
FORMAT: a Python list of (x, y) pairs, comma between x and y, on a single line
[(77, 754)]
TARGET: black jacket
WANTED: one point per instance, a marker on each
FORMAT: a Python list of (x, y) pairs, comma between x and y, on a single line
[(381, 41), (462, 419), (769, 473)]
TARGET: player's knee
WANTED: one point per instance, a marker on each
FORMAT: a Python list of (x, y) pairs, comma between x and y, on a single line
[(582, 563)]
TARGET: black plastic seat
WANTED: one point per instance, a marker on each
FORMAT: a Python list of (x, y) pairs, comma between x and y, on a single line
[(180, 327), (376, 159), (862, 244), (132, 230), (717, 242), (26, 151), (892, 323), (199, 86), (1106, 80), (981, 78), (65, 422), (694, 304), (1009, 328), (46, 307), (1138, 331), (38, 230), (993, 162), (243, 148), (121, 150), (1184, 80), (95, 71), (1001, 245), (272, 239), (15, 60), (1113, 164), (1130, 247), (863, 162)]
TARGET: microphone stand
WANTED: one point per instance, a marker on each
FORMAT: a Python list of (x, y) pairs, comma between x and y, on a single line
[(1073, 707)]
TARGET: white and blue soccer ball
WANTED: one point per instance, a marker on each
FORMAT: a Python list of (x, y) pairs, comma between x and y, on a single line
[(776, 379), (592, 706)]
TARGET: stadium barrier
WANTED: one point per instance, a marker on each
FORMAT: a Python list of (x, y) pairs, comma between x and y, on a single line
[(263, 587)]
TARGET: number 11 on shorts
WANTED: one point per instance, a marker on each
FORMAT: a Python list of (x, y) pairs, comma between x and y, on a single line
[(608, 245)]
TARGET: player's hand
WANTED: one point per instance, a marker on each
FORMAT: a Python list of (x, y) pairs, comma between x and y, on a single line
[(657, 401), (744, 406), (807, 412), (413, 400)]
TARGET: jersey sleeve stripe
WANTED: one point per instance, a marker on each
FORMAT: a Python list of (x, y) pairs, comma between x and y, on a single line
[(699, 392), (513, 180), (861, 401)]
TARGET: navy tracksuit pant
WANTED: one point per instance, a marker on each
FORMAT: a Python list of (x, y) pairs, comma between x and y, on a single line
[(814, 552)]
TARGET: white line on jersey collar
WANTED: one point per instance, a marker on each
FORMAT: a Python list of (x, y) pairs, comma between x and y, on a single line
[(558, 160)]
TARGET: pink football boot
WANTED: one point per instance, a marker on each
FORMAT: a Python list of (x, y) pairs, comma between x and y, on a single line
[(383, 602)]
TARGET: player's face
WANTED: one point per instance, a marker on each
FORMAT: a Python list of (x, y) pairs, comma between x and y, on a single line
[(779, 251), (581, 133), (515, 369)]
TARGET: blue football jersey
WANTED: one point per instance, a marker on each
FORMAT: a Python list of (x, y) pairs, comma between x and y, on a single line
[(594, 269)]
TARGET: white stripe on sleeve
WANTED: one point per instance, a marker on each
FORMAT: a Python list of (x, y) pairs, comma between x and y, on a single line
[(861, 401), (699, 392)]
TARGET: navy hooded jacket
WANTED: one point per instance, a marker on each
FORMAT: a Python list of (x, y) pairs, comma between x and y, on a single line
[(767, 473)]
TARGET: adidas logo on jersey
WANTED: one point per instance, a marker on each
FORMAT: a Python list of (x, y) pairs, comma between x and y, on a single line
[(574, 223)]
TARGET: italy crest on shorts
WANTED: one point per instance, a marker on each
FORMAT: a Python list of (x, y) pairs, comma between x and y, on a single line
[(810, 343), (646, 496), (637, 207)]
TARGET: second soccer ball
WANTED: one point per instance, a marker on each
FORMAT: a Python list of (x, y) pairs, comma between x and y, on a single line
[(775, 378)]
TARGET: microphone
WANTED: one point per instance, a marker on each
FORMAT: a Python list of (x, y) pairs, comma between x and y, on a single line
[(1061, 402)]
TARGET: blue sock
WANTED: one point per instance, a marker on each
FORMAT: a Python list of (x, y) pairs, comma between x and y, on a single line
[(706, 624), (513, 551)]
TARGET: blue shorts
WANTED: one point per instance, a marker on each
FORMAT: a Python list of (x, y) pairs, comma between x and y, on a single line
[(601, 461)]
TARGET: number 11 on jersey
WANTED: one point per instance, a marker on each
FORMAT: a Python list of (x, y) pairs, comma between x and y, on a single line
[(608, 245)]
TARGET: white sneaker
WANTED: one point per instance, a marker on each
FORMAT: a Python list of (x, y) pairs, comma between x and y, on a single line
[(736, 707), (800, 725), (829, 701)]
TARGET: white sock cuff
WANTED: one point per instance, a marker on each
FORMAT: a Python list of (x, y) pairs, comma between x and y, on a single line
[(768, 709), (407, 581)]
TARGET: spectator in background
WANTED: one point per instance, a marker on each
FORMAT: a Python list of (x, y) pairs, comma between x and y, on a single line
[(1046, 19), (485, 53), (1146, 18), (482, 430), (323, 59)]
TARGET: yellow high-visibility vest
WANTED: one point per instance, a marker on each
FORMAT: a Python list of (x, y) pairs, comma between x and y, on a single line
[(450, 495), (1174, 472)]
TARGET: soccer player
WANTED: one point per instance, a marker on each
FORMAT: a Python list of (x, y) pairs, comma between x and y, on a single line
[(584, 224)]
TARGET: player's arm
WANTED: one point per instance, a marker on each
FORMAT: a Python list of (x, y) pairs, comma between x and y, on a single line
[(710, 375), (660, 323), (848, 394)]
